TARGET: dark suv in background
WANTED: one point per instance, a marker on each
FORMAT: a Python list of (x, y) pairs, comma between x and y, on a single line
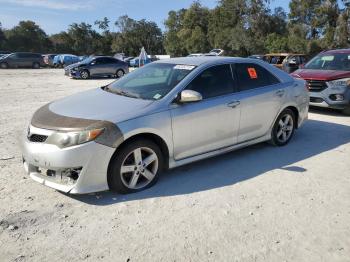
[(16, 60), (97, 66)]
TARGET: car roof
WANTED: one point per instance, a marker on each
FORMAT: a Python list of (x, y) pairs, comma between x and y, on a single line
[(337, 51), (196, 61), (284, 54), (213, 60)]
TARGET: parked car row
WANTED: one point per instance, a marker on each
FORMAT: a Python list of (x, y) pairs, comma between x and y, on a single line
[(288, 62), (21, 59), (214, 52), (97, 66)]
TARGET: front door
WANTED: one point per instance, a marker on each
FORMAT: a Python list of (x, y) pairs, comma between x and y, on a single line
[(210, 124)]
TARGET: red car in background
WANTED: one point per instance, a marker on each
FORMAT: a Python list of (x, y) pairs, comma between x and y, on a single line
[(328, 79)]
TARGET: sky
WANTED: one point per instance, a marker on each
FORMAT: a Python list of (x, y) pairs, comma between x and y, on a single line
[(56, 15)]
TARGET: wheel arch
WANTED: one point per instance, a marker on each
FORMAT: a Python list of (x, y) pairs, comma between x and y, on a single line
[(296, 114), (159, 141)]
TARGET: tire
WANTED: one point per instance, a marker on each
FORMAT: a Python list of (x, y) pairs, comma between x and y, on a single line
[(137, 175), (36, 65), (346, 111), (120, 73), (84, 74), (4, 65), (283, 129)]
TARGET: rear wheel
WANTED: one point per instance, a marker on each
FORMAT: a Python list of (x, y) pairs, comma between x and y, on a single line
[(120, 73), (84, 74), (346, 111), (283, 128), (135, 167), (36, 65), (4, 65)]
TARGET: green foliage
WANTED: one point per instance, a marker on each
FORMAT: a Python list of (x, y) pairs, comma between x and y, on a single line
[(133, 35), (240, 27), (27, 36), (172, 43), (2, 39), (275, 43)]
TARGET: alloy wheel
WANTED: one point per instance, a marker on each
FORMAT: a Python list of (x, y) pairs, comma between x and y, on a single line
[(285, 128), (139, 168), (84, 74)]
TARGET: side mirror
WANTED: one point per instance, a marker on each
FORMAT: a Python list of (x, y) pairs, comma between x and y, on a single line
[(187, 96), (93, 62), (301, 66)]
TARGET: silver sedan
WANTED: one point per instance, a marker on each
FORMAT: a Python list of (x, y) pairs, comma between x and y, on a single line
[(164, 115)]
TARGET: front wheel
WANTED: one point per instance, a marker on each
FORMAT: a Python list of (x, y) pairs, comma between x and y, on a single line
[(4, 66), (135, 167), (84, 74), (283, 128)]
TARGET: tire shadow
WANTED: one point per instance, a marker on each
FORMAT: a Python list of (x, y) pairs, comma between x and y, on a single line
[(314, 138)]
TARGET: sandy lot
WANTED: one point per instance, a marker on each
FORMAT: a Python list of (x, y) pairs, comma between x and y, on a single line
[(257, 204)]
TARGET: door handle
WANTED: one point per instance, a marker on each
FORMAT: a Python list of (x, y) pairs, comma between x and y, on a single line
[(233, 104), (280, 93)]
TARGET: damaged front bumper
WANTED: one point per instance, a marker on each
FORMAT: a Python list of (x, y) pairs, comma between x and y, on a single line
[(78, 169)]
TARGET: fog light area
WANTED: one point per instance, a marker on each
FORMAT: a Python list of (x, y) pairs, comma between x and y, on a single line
[(66, 176), (337, 97)]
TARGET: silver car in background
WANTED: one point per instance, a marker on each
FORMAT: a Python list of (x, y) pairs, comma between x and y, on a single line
[(163, 115)]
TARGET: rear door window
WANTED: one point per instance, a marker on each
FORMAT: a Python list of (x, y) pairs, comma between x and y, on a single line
[(109, 60), (251, 76)]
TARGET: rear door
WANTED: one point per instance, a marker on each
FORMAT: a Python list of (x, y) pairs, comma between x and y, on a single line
[(210, 124), (261, 97), (28, 59), (112, 65), (20, 60)]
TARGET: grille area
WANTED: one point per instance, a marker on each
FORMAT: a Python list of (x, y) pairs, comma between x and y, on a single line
[(316, 85), (37, 138)]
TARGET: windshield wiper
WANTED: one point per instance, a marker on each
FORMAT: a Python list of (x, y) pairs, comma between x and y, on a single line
[(121, 92)]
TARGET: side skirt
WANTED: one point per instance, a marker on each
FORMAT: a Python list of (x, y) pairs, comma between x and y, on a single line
[(176, 163)]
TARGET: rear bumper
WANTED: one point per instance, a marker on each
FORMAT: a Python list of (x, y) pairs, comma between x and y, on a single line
[(55, 167)]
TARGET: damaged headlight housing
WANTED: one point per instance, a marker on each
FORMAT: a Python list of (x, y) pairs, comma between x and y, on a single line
[(67, 139), (339, 83)]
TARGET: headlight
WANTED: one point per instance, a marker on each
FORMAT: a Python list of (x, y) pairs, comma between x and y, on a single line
[(62, 139), (339, 83)]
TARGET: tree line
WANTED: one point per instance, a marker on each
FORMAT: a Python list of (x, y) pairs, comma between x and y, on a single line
[(240, 27)]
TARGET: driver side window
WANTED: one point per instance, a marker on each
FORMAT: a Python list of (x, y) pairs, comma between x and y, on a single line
[(214, 81)]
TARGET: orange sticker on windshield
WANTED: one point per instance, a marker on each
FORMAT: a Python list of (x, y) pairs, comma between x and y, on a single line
[(252, 73)]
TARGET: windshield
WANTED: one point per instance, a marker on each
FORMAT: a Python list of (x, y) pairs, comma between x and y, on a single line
[(151, 82), (87, 60), (330, 62), (4, 56)]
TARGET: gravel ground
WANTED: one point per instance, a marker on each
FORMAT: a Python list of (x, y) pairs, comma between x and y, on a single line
[(258, 204)]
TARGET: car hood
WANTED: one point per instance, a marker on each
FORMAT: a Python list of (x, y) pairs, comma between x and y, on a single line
[(75, 65), (325, 75), (96, 104)]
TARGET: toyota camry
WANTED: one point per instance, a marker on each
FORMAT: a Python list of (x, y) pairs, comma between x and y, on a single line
[(122, 136)]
